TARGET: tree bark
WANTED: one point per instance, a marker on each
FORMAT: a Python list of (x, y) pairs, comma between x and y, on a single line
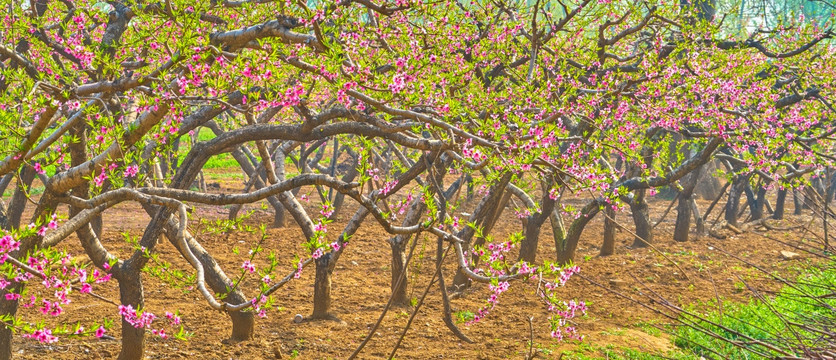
[(566, 250), (683, 209), (398, 246), (608, 247), (558, 228), (779, 204), (683, 220), (641, 217), (733, 204), (798, 203), (399, 294), (698, 220), (528, 248), (322, 289), (486, 206), (760, 202), (7, 307), (17, 204), (131, 293), (339, 198)]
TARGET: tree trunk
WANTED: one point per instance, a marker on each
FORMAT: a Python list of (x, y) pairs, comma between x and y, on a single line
[(7, 308), (398, 246), (4, 211), (733, 204), (818, 185), (528, 248), (566, 250), (322, 289), (243, 322), (490, 221), (558, 228), (130, 293), (695, 211), (17, 204), (779, 204), (760, 202), (641, 217), (279, 218), (399, 294), (754, 201), (491, 204), (469, 180), (682, 228), (608, 247), (256, 177), (797, 202), (683, 220)]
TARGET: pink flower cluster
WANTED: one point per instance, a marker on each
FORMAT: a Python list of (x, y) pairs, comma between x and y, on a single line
[(42, 335), (143, 320), (388, 187), (7, 244), (492, 301), (131, 171), (249, 266)]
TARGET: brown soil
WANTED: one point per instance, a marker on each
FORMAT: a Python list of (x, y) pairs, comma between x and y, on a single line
[(361, 289)]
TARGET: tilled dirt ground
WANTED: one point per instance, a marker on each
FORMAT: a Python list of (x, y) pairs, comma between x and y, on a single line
[(361, 289)]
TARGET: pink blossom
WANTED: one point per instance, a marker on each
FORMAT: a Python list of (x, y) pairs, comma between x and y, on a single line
[(131, 171), (39, 169), (250, 267)]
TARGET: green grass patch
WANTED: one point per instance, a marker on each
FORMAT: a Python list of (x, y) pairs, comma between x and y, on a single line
[(760, 320), (587, 351), (221, 161)]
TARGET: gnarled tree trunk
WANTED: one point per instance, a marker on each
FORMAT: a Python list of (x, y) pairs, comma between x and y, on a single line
[(735, 192), (641, 217), (398, 246), (322, 289), (566, 250), (683, 208), (528, 248), (608, 247), (131, 293)]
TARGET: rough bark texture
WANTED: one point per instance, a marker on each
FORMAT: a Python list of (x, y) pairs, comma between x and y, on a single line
[(683, 220), (398, 246), (683, 209), (757, 208), (698, 220), (558, 228), (18, 202), (641, 217), (733, 203), (322, 289), (780, 203), (339, 198), (528, 248), (399, 293), (798, 203), (6, 308), (131, 293), (608, 247), (566, 250)]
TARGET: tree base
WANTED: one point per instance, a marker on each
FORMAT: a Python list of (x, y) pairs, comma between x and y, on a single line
[(324, 317)]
